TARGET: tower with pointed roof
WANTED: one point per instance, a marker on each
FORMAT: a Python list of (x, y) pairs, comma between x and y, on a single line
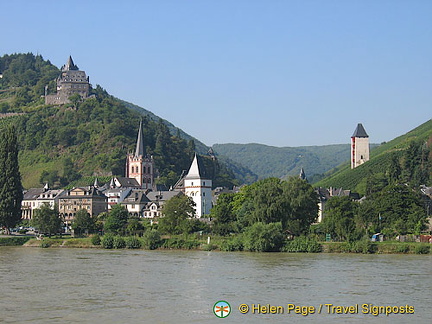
[(198, 186), (140, 166), (70, 81), (359, 146)]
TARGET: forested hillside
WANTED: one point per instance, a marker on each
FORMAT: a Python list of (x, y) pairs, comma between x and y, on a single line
[(406, 159), (61, 144), (269, 161)]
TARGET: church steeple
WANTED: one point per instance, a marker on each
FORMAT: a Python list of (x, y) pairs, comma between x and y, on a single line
[(139, 150), (140, 166)]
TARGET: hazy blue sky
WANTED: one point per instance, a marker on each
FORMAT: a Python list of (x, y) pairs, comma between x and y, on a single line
[(283, 73)]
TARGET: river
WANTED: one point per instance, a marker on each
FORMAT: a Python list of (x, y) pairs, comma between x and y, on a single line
[(64, 285)]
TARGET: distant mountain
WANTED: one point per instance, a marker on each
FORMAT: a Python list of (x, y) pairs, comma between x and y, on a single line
[(269, 161), (406, 159)]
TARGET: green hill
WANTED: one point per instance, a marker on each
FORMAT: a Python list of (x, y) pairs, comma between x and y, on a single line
[(406, 159), (61, 144), (269, 161)]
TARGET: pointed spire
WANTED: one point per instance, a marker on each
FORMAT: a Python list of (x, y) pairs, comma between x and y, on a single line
[(96, 183), (140, 142), (302, 174), (360, 131), (46, 187), (112, 183), (194, 170), (69, 65)]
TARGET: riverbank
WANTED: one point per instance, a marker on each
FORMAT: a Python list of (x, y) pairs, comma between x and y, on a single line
[(181, 243)]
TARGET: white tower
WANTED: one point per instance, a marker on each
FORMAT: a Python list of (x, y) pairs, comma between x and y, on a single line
[(359, 147), (198, 188)]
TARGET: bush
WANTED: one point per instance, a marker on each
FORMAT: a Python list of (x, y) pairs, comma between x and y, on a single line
[(422, 249), (303, 244), (133, 242), (209, 247), (262, 237), (119, 242), (45, 244), (96, 239), (364, 246), (402, 248), (152, 239), (13, 241), (233, 244), (107, 241)]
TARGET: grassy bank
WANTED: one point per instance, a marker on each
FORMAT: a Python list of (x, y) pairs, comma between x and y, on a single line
[(193, 242)]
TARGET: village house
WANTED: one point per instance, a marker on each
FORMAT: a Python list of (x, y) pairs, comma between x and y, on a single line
[(88, 198), (35, 197)]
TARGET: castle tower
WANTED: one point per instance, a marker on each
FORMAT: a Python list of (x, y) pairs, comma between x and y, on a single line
[(70, 81), (139, 166), (198, 187), (359, 147)]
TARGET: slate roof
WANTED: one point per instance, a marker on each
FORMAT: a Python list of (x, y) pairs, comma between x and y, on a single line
[(360, 131), (139, 151)]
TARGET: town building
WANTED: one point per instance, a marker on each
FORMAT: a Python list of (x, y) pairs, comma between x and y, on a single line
[(140, 166), (199, 187), (34, 198), (88, 198), (359, 146), (70, 81)]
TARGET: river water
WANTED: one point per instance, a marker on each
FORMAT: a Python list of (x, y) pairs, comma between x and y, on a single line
[(64, 285)]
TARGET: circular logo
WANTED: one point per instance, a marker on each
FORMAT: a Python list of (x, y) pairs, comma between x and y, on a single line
[(221, 309)]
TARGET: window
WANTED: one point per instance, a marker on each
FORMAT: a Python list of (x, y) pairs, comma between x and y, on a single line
[(203, 183)]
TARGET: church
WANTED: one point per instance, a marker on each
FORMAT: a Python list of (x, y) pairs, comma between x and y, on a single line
[(140, 167)]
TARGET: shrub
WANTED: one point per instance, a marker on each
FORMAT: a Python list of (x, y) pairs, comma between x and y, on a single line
[(133, 242), (96, 239), (402, 248), (233, 244), (107, 241), (303, 244), (209, 247), (12, 241), (152, 239), (262, 237), (45, 244), (422, 249), (119, 242), (364, 246)]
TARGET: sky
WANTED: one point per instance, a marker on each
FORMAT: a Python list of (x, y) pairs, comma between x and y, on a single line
[(275, 72)]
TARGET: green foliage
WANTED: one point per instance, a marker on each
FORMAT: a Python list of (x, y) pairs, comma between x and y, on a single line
[(133, 242), (152, 239), (46, 220), (135, 227), (262, 237), (235, 243), (108, 241), (119, 242), (116, 220), (339, 218), (179, 243), (269, 161), (302, 244), (13, 241), (83, 223), (96, 239), (45, 244), (422, 249), (405, 159), (11, 193), (177, 213)]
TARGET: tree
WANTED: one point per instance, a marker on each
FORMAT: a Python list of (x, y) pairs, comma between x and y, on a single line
[(223, 215), (11, 193), (46, 219), (83, 222), (262, 237), (177, 213), (116, 220), (339, 217)]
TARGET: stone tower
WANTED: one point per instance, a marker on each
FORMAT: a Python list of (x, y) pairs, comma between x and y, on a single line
[(140, 166), (359, 147), (198, 187), (70, 81)]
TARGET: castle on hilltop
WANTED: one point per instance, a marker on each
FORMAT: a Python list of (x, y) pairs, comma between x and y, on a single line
[(70, 81)]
